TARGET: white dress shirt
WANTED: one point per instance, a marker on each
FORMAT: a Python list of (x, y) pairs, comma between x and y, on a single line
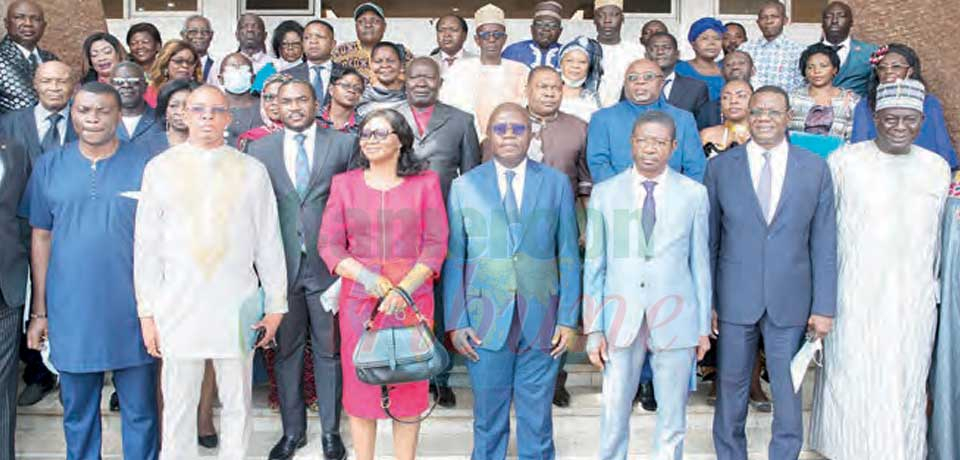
[(290, 149), (844, 50), (668, 84), (444, 64), (520, 170), (778, 170), (27, 53), (40, 114), (131, 124)]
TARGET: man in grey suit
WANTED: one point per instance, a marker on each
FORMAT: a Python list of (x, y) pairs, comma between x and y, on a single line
[(445, 137), (773, 248), (302, 160), (14, 253)]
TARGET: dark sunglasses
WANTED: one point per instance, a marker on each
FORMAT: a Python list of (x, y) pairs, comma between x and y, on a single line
[(518, 129), (378, 134)]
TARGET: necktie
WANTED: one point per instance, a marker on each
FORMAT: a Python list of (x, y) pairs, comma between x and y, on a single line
[(764, 187), (51, 139), (302, 168), (317, 82), (649, 216), (667, 88), (34, 60), (513, 211), (208, 64)]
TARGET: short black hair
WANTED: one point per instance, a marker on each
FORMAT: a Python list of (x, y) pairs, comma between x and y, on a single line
[(463, 22), (167, 91), (819, 48), (395, 47), (777, 3), (322, 23), (338, 74), (737, 24), (95, 87), (774, 90), (541, 69), (304, 83), (665, 34), (657, 117), (282, 29), (407, 164), (144, 27)]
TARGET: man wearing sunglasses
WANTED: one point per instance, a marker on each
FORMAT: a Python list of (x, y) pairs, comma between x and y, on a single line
[(478, 85), (543, 48), (512, 287), (608, 136), (139, 121)]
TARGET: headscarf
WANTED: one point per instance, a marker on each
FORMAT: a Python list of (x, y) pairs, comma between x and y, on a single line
[(702, 25), (277, 77), (594, 54)]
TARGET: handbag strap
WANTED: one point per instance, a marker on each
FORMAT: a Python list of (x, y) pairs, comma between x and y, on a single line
[(406, 298), (385, 405)]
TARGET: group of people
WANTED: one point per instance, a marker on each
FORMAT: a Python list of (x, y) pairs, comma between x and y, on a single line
[(179, 213)]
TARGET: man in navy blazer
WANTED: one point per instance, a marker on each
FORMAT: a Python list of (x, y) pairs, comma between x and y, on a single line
[(681, 92), (511, 286), (773, 247), (140, 125), (33, 127), (855, 68), (318, 43)]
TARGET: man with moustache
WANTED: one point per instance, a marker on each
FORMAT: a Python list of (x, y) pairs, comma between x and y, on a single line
[(370, 24), (302, 160), (46, 125), (617, 53), (199, 33), (451, 34), (855, 67), (512, 287), (20, 55), (608, 136), (542, 49), (318, 43), (775, 57), (81, 203), (210, 275)]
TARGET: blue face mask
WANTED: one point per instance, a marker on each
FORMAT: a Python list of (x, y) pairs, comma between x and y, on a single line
[(237, 80)]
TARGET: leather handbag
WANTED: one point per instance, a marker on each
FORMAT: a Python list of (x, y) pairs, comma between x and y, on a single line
[(402, 354)]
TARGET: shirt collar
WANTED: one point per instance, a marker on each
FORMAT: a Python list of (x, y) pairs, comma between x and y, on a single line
[(27, 53), (310, 132), (781, 149), (446, 56), (672, 76), (519, 169), (844, 44), (42, 113), (655, 105), (639, 179), (424, 110)]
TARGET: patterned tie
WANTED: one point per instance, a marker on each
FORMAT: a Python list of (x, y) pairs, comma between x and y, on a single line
[(302, 168), (51, 139), (513, 211), (317, 82), (765, 188), (34, 61), (649, 216)]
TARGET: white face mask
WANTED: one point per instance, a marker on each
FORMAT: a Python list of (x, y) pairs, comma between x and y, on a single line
[(573, 83), (237, 80)]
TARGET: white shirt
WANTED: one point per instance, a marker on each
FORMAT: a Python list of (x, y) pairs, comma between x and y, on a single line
[(444, 64), (521, 171), (616, 59), (778, 170), (325, 70), (27, 53), (290, 150), (843, 52), (131, 124), (43, 125), (658, 193), (668, 84)]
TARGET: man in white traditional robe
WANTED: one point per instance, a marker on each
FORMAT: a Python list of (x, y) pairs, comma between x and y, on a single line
[(477, 85), (206, 233), (617, 53), (870, 397)]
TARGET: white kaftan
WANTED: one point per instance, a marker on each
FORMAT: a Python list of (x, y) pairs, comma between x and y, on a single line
[(870, 397), (616, 59), (478, 89)]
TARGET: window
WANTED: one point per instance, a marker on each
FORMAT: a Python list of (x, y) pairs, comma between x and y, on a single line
[(517, 9), (800, 10), (279, 7), (160, 6)]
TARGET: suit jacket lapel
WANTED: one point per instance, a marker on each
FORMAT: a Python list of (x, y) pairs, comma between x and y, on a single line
[(531, 187), (275, 162), (746, 181), (146, 121), (438, 119), (407, 113), (789, 185), (29, 123), (321, 145)]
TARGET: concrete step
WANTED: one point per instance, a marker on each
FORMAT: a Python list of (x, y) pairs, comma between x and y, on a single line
[(447, 434)]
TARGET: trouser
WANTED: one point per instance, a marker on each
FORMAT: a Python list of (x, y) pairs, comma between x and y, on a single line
[(737, 350), (520, 374), (80, 395), (672, 370), (181, 381), (439, 329), (10, 321), (306, 313)]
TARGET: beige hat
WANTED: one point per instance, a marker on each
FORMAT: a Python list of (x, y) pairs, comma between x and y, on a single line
[(901, 94), (597, 4), (548, 8), (489, 14)]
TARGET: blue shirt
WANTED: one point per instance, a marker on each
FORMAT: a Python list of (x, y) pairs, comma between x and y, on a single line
[(933, 133), (777, 62), (91, 308), (714, 82), (529, 54), (609, 148)]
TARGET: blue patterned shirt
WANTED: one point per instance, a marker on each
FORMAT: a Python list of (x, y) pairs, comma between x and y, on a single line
[(777, 62), (529, 54)]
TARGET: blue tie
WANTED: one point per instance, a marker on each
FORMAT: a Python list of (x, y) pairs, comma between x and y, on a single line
[(317, 82), (513, 211), (302, 166), (649, 216)]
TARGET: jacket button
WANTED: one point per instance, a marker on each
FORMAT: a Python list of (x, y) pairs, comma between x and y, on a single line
[(642, 284)]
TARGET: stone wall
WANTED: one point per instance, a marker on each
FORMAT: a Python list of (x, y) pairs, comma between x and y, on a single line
[(68, 23), (929, 27)]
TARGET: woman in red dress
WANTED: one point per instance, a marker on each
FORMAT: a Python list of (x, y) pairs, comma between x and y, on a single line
[(384, 228)]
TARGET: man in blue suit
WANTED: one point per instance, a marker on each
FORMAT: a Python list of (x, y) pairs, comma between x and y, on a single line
[(855, 68), (512, 287), (608, 136), (773, 247), (139, 122), (653, 294)]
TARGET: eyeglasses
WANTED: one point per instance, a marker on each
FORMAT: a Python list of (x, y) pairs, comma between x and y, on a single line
[(375, 134), (646, 76), (202, 110), (348, 87), (132, 81), (268, 97), (548, 25), (500, 129), (651, 142), (487, 35), (896, 67), (204, 32), (183, 62), (772, 113)]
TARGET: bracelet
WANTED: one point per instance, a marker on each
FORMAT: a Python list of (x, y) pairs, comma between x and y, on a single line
[(38, 316)]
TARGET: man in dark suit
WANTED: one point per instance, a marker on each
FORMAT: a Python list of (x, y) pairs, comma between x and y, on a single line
[(773, 247), (46, 125), (20, 56), (446, 138), (681, 92), (139, 122), (855, 67), (302, 160), (14, 253), (318, 42)]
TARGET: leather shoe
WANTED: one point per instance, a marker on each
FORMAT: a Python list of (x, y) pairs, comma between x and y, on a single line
[(445, 397), (114, 402), (286, 447), (209, 441), (333, 447), (33, 393), (561, 397), (646, 397)]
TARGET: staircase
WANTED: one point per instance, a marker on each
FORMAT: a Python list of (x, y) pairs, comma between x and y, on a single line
[(446, 435)]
